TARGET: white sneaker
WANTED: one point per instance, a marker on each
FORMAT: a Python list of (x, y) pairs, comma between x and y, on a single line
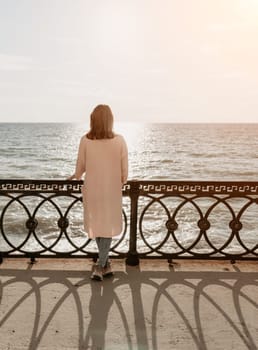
[(107, 270), (97, 273)]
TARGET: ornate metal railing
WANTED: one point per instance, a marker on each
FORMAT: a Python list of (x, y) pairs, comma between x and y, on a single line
[(162, 219)]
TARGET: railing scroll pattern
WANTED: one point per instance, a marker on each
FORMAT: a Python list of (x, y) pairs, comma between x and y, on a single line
[(162, 219)]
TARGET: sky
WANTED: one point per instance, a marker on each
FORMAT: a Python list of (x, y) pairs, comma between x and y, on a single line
[(150, 60)]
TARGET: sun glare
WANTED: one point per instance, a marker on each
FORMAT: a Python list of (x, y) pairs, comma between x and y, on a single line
[(132, 132)]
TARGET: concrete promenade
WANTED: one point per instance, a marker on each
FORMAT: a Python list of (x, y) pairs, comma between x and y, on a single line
[(190, 305)]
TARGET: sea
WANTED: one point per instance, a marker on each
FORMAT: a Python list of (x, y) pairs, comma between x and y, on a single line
[(157, 151)]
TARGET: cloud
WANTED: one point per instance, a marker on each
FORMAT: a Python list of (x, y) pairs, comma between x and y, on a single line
[(232, 27), (15, 63), (68, 40)]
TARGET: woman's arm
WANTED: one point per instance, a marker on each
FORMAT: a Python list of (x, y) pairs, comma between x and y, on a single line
[(124, 162), (80, 163)]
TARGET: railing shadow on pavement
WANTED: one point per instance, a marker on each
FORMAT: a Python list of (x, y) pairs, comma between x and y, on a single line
[(133, 310)]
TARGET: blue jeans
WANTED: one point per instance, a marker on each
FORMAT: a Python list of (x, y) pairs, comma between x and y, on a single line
[(103, 244)]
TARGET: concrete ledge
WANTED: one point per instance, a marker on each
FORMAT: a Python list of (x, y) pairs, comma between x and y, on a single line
[(53, 304)]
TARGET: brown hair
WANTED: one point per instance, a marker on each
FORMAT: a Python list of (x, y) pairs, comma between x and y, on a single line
[(101, 123)]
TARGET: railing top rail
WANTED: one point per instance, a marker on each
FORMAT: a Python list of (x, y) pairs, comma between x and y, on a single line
[(141, 187)]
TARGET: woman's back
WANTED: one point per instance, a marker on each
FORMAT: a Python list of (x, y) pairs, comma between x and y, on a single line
[(105, 163), (103, 159)]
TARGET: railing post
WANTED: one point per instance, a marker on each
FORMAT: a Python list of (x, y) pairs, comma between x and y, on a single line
[(132, 255)]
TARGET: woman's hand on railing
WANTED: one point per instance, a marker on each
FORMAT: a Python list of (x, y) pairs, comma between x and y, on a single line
[(72, 177)]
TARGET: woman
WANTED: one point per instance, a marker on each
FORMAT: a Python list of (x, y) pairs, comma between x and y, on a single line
[(103, 157)]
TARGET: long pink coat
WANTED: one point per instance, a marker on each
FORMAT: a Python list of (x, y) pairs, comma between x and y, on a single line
[(105, 164)]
